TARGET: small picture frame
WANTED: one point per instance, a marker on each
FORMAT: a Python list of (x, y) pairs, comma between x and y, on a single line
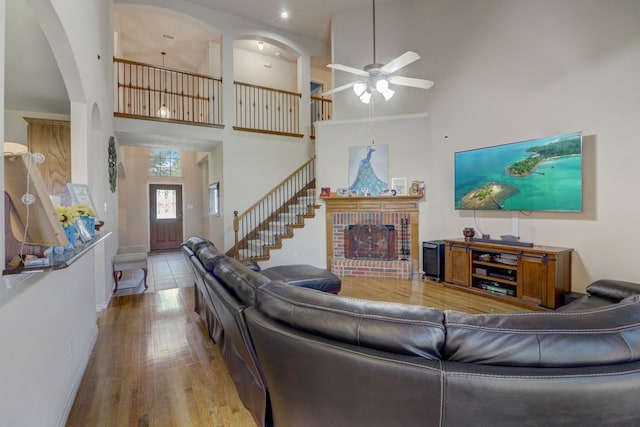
[(342, 192), (81, 195), (325, 192), (399, 185)]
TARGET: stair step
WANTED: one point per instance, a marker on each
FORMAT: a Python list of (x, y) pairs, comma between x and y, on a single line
[(298, 208), (288, 218), (267, 236), (306, 200), (279, 227)]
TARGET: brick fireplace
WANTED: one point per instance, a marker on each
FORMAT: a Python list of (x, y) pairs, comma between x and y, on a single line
[(399, 215)]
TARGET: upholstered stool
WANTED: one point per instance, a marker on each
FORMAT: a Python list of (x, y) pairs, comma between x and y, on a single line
[(129, 258), (305, 276)]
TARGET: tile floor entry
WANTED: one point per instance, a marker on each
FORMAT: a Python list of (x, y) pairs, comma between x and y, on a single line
[(166, 270)]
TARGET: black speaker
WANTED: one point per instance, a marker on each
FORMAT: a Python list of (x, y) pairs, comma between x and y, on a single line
[(433, 260)]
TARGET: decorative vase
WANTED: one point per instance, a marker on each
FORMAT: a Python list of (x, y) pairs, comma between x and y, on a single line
[(70, 232), (90, 222), (468, 233)]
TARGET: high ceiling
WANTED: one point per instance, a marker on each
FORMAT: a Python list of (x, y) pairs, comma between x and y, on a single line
[(310, 18), (39, 87)]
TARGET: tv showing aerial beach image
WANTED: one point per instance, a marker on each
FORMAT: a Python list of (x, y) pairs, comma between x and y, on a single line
[(543, 174)]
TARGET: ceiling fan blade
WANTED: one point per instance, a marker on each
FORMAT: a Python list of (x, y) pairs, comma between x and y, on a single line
[(399, 62), (338, 89), (346, 68), (410, 81)]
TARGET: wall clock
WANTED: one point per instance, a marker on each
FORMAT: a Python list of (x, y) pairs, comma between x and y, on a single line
[(113, 165)]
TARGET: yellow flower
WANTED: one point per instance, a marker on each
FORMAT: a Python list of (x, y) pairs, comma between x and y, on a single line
[(84, 210), (66, 215)]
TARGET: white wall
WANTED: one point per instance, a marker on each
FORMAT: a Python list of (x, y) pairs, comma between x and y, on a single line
[(253, 166), (253, 68), (48, 322), (510, 71)]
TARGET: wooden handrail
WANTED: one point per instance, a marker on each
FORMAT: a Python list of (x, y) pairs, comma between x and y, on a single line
[(275, 188), (270, 89), (159, 67), (321, 98)]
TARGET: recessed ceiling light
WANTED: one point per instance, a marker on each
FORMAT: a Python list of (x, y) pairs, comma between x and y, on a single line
[(284, 14)]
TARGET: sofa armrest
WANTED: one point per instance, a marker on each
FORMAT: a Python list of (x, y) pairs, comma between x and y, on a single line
[(616, 290)]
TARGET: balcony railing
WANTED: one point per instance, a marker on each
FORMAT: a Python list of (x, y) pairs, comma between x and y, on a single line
[(158, 93), (153, 92), (320, 110), (262, 109)]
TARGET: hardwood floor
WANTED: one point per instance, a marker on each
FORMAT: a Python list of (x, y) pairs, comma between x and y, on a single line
[(154, 365)]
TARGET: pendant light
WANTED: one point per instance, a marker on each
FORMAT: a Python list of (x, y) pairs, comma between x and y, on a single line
[(163, 111)]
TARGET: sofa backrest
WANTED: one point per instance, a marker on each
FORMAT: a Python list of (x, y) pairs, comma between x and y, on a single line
[(241, 280), (602, 336), (397, 328)]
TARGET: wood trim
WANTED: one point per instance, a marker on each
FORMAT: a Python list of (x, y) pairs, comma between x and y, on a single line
[(270, 89), (270, 132)]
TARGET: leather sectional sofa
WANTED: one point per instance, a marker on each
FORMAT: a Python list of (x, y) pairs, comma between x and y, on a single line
[(313, 358)]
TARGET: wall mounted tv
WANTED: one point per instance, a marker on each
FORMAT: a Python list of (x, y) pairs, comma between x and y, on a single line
[(543, 174)]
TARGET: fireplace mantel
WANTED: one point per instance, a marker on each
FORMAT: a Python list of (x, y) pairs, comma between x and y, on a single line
[(404, 204)]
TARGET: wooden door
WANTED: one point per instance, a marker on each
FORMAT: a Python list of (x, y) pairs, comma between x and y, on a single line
[(165, 217)]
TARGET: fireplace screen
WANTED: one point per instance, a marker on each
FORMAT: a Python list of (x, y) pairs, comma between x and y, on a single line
[(370, 241)]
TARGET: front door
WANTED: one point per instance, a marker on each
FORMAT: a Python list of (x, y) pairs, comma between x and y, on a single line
[(165, 216)]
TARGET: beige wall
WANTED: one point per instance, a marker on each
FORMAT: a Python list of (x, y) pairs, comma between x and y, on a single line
[(133, 195), (510, 71)]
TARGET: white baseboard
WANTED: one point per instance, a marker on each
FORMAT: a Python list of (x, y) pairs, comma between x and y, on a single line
[(77, 378)]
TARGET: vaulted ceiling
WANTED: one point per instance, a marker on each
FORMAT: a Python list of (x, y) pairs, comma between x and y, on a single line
[(33, 81)]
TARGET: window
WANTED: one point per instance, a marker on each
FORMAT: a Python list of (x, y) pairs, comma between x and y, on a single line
[(165, 162)]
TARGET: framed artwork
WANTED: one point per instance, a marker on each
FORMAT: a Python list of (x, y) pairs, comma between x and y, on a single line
[(369, 169), (214, 199), (80, 194), (325, 192), (399, 185)]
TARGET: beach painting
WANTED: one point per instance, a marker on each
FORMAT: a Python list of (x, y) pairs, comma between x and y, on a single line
[(369, 169), (543, 174)]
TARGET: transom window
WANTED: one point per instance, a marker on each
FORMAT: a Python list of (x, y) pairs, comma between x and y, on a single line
[(165, 162)]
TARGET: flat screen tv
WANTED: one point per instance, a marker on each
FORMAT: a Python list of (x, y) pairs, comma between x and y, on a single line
[(543, 174)]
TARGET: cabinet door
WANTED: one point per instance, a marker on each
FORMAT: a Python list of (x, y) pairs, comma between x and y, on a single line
[(533, 278), (457, 265), (53, 139)]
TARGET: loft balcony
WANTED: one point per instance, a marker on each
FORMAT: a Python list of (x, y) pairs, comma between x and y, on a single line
[(151, 92)]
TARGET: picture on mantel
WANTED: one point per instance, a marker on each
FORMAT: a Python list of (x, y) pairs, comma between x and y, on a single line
[(369, 169)]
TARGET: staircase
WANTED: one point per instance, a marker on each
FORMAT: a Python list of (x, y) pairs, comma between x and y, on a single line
[(262, 227)]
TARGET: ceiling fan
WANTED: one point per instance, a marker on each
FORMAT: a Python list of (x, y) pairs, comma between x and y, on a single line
[(377, 77)]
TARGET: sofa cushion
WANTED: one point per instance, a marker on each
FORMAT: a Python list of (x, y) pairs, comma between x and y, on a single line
[(601, 336), (616, 290), (305, 276), (208, 256), (391, 327), (241, 280), (195, 243)]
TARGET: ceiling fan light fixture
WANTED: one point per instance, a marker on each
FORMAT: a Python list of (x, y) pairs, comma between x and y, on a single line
[(359, 88), (387, 93), (365, 98), (382, 85)]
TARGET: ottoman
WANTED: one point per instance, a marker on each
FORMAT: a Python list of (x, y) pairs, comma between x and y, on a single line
[(305, 276)]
